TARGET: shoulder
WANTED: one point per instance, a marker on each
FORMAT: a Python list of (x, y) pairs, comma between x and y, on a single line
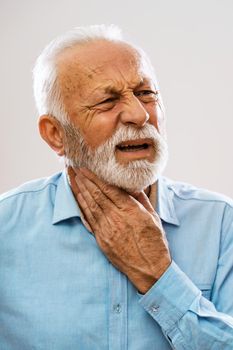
[(29, 189), (198, 206), (23, 207), (188, 192)]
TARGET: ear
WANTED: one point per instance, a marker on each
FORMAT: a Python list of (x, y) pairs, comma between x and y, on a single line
[(51, 131)]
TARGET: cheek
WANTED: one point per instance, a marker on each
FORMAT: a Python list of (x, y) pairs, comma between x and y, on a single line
[(156, 117), (100, 129)]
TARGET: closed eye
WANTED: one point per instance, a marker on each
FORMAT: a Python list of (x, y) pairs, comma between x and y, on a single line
[(147, 96), (108, 100), (146, 93), (106, 104)]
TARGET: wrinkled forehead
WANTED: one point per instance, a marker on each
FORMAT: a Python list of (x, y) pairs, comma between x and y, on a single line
[(82, 64)]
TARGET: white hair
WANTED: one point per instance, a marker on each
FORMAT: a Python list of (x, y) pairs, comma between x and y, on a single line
[(132, 177), (46, 88), (47, 91)]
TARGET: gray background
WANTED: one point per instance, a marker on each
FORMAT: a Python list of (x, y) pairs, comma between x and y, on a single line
[(191, 46)]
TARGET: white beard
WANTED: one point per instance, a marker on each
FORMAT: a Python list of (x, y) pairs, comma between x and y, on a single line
[(132, 177)]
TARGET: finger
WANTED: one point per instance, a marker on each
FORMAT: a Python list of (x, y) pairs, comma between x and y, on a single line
[(98, 196), (71, 179), (88, 217), (98, 222), (91, 203), (142, 198), (115, 194)]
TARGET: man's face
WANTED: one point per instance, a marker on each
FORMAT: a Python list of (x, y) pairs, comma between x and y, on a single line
[(115, 116)]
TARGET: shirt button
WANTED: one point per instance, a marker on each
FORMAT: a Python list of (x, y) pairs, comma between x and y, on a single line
[(154, 308), (117, 308)]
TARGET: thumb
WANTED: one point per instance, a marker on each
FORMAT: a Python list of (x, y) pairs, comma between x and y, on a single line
[(142, 198)]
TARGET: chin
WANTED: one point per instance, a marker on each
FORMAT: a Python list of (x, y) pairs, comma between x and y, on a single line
[(135, 183), (135, 177)]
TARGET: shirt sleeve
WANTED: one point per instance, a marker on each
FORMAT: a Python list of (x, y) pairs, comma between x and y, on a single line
[(189, 320)]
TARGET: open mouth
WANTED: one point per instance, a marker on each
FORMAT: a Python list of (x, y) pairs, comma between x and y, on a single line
[(132, 148), (134, 145)]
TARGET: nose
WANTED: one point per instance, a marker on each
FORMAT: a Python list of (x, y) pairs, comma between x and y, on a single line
[(133, 112)]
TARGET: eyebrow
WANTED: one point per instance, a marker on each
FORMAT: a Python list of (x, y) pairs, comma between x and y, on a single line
[(108, 89)]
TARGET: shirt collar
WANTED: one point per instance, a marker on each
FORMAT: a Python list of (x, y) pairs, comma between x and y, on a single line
[(65, 205), (165, 202)]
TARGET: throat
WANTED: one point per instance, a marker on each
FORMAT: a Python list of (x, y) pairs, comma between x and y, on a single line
[(148, 191)]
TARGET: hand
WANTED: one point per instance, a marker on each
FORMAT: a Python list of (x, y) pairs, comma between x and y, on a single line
[(126, 227)]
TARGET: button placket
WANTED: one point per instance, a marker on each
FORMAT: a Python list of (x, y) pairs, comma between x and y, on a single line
[(118, 309)]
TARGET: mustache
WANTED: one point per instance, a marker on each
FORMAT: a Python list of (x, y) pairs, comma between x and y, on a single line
[(123, 133), (126, 133)]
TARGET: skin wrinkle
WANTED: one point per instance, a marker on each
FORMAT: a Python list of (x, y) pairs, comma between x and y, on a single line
[(102, 160), (126, 247), (125, 225), (73, 75), (143, 255)]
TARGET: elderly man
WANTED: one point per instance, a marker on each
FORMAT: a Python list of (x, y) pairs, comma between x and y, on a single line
[(109, 254)]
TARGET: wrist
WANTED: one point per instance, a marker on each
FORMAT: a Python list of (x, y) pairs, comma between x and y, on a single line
[(146, 282)]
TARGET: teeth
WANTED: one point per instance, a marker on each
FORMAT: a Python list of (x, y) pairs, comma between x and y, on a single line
[(131, 147)]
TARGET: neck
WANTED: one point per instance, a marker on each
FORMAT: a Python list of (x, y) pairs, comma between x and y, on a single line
[(147, 191), (151, 192)]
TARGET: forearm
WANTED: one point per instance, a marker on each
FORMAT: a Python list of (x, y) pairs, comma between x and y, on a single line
[(188, 320)]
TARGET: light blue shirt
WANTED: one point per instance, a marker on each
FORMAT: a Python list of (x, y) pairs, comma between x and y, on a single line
[(59, 292)]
